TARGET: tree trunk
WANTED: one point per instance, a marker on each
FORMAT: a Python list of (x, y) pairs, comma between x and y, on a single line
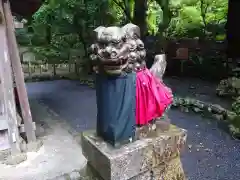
[(166, 19), (69, 67), (140, 15), (46, 67), (29, 69), (76, 68), (204, 8), (40, 70), (233, 35), (54, 69)]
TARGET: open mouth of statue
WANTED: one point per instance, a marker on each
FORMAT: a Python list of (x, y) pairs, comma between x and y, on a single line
[(115, 69), (113, 61)]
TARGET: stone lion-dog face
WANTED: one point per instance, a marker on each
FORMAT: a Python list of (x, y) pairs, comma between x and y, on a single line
[(118, 49)]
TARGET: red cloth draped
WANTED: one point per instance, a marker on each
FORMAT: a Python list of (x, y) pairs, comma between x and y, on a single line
[(152, 97)]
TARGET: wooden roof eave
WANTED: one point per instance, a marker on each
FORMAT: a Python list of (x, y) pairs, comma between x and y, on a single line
[(25, 8)]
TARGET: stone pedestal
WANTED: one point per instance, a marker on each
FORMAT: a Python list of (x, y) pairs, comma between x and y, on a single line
[(154, 157)]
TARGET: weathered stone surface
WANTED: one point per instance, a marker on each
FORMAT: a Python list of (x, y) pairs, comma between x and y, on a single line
[(34, 146), (89, 173), (4, 154), (135, 158), (15, 159), (171, 170)]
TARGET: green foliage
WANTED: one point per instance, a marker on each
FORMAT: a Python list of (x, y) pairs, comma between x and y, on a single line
[(199, 18), (229, 87), (236, 106), (177, 18), (122, 10), (61, 29), (23, 37), (235, 127), (153, 19)]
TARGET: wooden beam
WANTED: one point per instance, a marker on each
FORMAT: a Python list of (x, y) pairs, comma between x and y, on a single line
[(4, 125), (18, 74), (9, 109)]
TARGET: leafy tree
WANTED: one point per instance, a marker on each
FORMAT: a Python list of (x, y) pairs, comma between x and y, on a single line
[(63, 27), (60, 31), (199, 18)]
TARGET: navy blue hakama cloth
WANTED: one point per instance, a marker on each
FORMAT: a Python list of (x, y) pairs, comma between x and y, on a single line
[(116, 103)]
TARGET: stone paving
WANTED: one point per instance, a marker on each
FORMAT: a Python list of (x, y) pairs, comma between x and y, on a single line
[(59, 158)]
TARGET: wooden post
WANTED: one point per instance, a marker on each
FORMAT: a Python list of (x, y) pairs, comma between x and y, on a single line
[(18, 73), (40, 70), (29, 68), (7, 84)]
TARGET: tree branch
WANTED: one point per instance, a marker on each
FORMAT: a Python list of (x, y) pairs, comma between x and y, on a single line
[(125, 10)]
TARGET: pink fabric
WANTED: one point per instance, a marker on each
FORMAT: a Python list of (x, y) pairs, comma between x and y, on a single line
[(152, 97)]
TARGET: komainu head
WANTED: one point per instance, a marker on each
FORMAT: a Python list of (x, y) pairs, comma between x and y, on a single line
[(118, 49)]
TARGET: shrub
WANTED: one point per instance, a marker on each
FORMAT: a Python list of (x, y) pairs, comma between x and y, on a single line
[(229, 87)]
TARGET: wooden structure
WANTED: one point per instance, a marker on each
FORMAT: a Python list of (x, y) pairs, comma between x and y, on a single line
[(11, 71), (25, 8), (233, 36)]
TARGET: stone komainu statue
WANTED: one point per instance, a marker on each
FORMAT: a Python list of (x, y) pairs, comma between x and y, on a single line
[(121, 49), (128, 94)]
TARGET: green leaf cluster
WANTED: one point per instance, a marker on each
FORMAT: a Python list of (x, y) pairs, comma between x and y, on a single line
[(63, 28)]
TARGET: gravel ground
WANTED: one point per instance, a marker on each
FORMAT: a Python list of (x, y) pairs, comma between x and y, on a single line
[(210, 154), (196, 88)]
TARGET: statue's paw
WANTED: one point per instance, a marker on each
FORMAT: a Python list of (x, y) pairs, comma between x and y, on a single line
[(154, 127), (130, 139)]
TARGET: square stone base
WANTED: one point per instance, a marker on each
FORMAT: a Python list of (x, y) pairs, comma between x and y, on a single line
[(171, 171), (151, 157)]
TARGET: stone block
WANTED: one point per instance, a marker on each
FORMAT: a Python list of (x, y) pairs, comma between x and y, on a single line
[(4, 154), (136, 159), (15, 159)]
